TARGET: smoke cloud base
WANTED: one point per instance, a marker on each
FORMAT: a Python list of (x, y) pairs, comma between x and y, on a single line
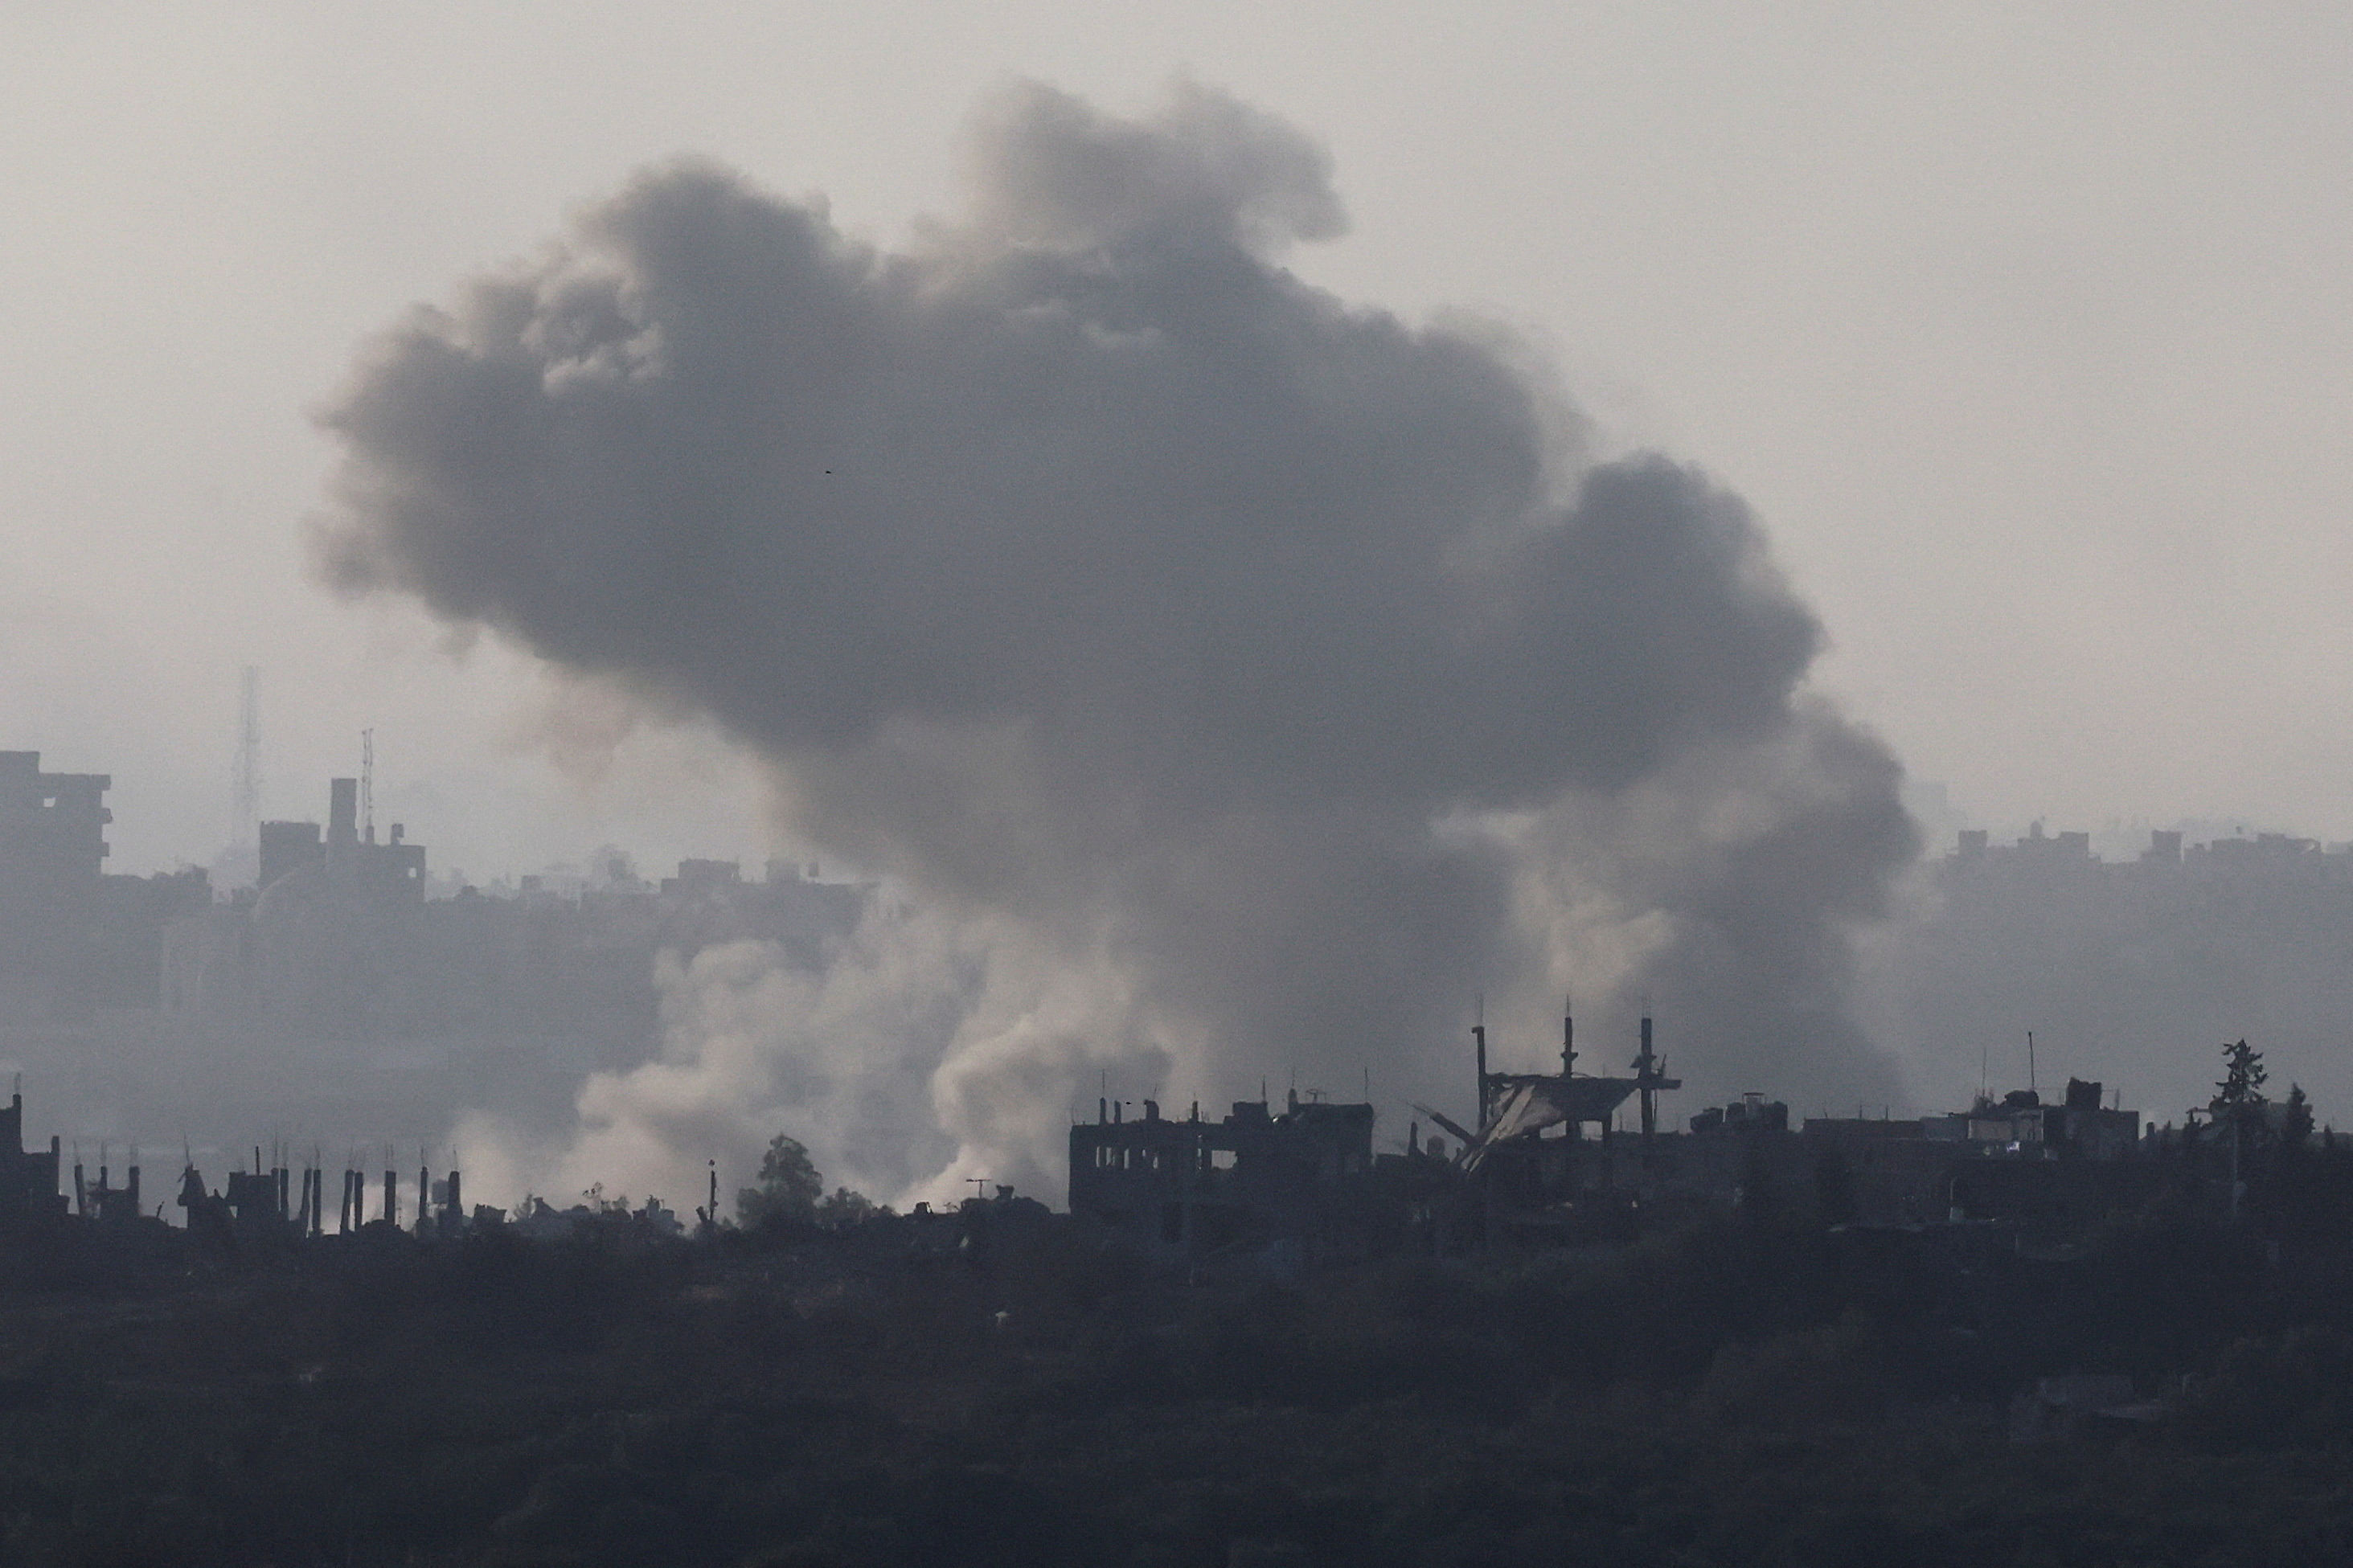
[(1234, 677)]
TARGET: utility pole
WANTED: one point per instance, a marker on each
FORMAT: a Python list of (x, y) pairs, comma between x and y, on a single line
[(1650, 1077), (1646, 1068)]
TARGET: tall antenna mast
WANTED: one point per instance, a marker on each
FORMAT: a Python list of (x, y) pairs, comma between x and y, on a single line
[(367, 786), (1479, 1037), (245, 777)]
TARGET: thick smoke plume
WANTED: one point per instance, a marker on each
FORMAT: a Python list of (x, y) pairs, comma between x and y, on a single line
[(1252, 678)]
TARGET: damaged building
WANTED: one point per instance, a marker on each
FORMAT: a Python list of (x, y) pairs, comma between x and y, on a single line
[(341, 940), (29, 1190), (1547, 1159), (72, 938), (53, 854), (349, 987), (1252, 1176)]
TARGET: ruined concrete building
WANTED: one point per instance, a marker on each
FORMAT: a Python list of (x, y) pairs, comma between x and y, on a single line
[(102, 1199), (52, 857), (29, 1187), (1206, 1184), (1548, 1160), (339, 940), (395, 868), (71, 937)]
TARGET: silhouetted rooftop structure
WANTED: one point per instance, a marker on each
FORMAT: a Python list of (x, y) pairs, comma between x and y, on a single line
[(29, 1188), (1195, 1183), (53, 854)]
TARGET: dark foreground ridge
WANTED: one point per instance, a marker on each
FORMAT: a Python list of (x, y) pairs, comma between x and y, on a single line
[(1251, 1343), (999, 1385)]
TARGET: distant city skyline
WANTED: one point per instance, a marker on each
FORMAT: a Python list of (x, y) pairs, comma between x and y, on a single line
[(2018, 328)]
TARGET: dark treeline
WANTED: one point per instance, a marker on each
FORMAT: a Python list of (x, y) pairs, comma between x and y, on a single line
[(1742, 1389)]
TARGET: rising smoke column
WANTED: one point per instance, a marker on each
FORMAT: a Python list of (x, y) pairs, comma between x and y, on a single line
[(1267, 675)]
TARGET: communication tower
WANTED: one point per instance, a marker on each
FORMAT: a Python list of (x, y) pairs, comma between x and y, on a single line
[(245, 778)]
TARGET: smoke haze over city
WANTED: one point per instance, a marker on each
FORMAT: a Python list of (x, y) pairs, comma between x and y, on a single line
[(1184, 785), (1272, 678), (1247, 569)]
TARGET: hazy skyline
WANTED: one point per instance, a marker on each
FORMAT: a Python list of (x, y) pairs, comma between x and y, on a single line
[(2018, 328), (1226, 664)]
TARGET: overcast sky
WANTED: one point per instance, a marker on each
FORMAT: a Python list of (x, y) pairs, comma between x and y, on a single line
[(2023, 329)]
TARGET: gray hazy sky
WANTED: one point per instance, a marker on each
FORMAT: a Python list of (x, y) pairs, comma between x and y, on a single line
[(2022, 326)]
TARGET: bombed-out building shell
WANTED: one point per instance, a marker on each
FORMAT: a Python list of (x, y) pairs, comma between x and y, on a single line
[(1253, 1176), (30, 1179)]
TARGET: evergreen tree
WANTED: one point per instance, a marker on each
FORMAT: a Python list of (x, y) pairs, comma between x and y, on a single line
[(2238, 1106), (2239, 1097)]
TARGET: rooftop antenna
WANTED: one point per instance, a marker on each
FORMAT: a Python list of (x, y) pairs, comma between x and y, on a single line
[(367, 786), (2029, 1064), (245, 777), (1479, 1037), (1649, 1078), (1984, 1052)]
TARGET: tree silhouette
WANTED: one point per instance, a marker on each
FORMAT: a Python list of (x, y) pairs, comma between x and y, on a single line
[(788, 1187), (2238, 1104), (2295, 1125), (2239, 1095)]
